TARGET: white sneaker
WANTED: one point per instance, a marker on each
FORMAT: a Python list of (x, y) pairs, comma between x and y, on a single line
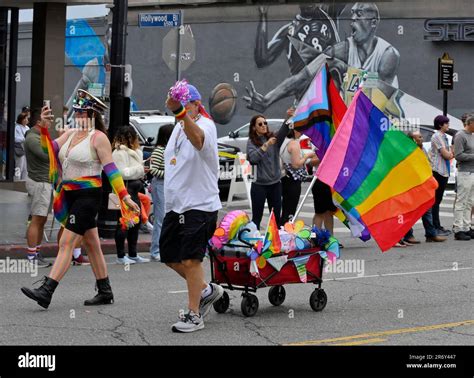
[(156, 257), (190, 323), (149, 226), (139, 259), (206, 303), (125, 260)]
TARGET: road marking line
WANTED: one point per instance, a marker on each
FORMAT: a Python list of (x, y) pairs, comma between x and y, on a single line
[(396, 274), (177, 292), (361, 342), (386, 333)]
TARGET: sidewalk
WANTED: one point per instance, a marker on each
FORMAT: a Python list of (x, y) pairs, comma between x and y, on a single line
[(14, 211)]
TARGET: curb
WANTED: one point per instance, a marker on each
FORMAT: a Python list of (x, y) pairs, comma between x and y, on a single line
[(18, 251)]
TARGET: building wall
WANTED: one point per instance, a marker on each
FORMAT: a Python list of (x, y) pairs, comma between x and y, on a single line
[(225, 41), (225, 38)]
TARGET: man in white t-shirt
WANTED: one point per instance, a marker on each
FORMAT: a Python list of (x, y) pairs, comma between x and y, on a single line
[(191, 205)]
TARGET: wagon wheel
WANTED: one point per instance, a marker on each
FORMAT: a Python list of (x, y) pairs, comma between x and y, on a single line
[(276, 295), (249, 305), (318, 300), (222, 304)]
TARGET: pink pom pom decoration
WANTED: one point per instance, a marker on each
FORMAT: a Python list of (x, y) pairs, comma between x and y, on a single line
[(179, 91)]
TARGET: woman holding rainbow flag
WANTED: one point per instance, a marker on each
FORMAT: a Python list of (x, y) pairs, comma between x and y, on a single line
[(76, 161)]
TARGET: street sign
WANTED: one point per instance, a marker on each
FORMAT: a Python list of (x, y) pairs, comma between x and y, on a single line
[(187, 48), (159, 20), (445, 72)]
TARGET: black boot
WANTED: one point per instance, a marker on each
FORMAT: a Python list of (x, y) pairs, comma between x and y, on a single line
[(44, 293), (104, 296)]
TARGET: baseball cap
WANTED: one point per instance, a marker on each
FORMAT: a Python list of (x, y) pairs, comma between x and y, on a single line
[(194, 94)]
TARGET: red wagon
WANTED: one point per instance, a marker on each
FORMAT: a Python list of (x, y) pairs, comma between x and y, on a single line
[(231, 270)]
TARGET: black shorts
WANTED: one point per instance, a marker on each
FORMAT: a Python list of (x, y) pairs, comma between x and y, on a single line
[(83, 207), (322, 198), (185, 236)]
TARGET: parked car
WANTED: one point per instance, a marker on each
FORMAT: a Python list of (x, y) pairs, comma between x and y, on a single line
[(239, 137), (148, 123), (227, 156), (427, 133)]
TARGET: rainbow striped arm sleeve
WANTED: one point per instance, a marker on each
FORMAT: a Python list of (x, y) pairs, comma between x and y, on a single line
[(129, 218), (116, 180)]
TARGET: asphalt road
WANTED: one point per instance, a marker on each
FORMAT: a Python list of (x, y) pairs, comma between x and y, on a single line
[(421, 295)]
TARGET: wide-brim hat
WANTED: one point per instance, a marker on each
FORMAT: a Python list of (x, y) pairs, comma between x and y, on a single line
[(85, 101)]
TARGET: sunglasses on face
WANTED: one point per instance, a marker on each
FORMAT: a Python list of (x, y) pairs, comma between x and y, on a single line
[(264, 123)]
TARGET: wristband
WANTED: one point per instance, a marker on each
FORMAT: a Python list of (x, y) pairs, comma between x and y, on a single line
[(180, 112)]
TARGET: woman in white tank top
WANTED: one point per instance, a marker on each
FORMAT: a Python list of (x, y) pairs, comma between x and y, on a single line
[(80, 160), (83, 152)]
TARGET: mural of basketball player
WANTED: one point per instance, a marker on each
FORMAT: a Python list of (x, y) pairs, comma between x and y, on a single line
[(365, 51), (362, 50), (308, 35), (312, 31)]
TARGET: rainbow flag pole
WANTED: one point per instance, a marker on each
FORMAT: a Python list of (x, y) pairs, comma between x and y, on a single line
[(300, 206)]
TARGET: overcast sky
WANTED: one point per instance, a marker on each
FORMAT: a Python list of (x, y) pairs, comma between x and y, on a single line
[(79, 11)]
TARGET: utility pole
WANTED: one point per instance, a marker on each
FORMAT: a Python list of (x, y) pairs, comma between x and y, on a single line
[(119, 104), (119, 107), (12, 69)]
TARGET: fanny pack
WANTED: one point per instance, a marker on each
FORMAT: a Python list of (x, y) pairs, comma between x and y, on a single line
[(298, 174)]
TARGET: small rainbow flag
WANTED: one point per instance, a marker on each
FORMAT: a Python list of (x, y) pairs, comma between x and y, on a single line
[(272, 235), (381, 176)]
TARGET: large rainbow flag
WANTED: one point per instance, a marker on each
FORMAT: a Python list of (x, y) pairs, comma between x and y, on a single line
[(381, 176), (320, 111), (318, 115)]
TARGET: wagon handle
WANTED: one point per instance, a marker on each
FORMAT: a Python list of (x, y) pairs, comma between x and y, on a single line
[(239, 236)]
